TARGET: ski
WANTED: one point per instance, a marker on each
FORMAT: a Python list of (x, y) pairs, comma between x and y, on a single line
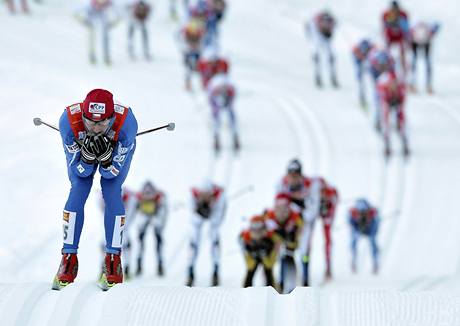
[(105, 285), (59, 285)]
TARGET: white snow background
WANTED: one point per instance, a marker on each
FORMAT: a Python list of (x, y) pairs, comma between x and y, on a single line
[(44, 67)]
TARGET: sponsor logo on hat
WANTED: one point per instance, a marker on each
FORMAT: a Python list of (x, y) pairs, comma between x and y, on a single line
[(98, 108), (75, 109)]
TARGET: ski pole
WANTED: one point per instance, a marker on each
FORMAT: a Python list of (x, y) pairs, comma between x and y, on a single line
[(38, 121), (170, 126)]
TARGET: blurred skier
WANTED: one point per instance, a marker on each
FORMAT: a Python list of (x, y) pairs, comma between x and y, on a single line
[(321, 29), (210, 64), (221, 97), (304, 193), (328, 204), (379, 61), (421, 38), (259, 246), (191, 38), (99, 16), (153, 210), (12, 6), (139, 14), (392, 94), (360, 52), (287, 224), (209, 12), (98, 135), (364, 220), (208, 204), (396, 31)]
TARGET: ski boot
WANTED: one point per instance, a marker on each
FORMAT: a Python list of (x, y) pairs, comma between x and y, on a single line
[(126, 273), (139, 267), (160, 270), (216, 144), (190, 278), (328, 274), (429, 90), (305, 265), (406, 151), (318, 81), (375, 268), (107, 61), (236, 143), (354, 270), (387, 151), (378, 126), (334, 81), (92, 58), (112, 273), (67, 271), (215, 277)]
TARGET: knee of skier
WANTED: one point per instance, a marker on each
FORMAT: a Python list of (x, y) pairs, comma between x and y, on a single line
[(81, 187)]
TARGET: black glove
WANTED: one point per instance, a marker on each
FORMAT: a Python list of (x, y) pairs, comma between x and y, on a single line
[(103, 150), (87, 153)]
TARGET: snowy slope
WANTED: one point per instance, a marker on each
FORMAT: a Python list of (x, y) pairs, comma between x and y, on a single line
[(44, 67)]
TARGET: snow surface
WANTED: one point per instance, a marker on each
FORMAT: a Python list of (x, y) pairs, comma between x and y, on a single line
[(43, 68)]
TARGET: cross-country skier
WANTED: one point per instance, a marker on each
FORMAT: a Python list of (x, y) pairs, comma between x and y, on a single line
[(396, 31), (139, 14), (259, 246), (152, 209), (287, 224), (99, 16), (191, 41), (98, 135), (379, 61), (329, 201), (321, 29), (421, 40), (208, 204), (392, 95), (221, 96), (364, 220), (305, 198), (360, 52), (211, 64)]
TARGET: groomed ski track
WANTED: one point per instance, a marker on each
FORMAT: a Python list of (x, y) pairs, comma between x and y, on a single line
[(281, 116)]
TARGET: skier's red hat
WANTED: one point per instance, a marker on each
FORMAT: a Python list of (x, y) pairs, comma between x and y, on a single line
[(282, 199), (98, 105)]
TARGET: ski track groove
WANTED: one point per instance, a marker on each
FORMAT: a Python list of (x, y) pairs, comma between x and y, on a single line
[(25, 313)]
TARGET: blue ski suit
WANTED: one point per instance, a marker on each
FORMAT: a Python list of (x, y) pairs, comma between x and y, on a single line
[(123, 132)]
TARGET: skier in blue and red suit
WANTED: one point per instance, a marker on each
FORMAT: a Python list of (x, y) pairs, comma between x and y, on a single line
[(98, 135)]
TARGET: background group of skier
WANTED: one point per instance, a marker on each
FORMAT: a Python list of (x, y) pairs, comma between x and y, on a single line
[(385, 65), (99, 135)]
